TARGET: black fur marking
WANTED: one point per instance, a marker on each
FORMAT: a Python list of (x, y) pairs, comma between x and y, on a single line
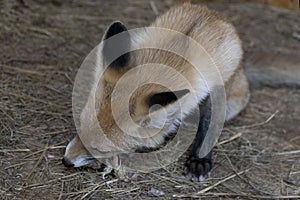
[(67, 163), (196, 166), (109, 48), (115, 28), (166, 98)]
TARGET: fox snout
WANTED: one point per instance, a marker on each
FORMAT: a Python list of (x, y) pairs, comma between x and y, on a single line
[(76, 154), (67, 163)]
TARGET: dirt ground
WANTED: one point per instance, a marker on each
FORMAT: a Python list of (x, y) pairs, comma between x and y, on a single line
[(42, 46)]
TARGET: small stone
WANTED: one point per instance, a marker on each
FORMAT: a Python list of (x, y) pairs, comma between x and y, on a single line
[(156, 192)]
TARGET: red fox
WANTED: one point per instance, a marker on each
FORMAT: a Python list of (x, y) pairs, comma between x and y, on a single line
[(217, 36)]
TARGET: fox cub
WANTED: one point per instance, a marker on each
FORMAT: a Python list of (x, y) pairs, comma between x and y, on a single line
[(219, 39)]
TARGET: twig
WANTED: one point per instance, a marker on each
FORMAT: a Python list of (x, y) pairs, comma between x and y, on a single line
[(293, 173), (14, 150), (53, 89), (233, 195), (230, 139), (7, 115), (37, 163), (61, 190), (261, 123), (123, 191), (35, 99), (25, 71), (50, 181), (56, 147), (287, 152), (154, 8), (43, 112), (221, 181), (15, 165), (39, 151), (296, 36), (170, 179), (55, 132), (68, 78), (97, 186)]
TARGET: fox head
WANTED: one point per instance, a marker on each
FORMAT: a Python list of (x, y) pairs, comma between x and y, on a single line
[(139, 99)]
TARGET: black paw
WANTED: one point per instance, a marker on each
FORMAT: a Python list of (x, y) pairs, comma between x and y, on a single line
[(197, 169)]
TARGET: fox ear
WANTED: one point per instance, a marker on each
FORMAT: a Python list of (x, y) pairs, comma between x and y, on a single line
[(165, 98), (113, 47)]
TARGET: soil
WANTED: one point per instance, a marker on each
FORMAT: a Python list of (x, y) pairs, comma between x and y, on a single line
[(43, 44)]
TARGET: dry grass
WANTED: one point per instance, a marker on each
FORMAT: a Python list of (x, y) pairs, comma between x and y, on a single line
[(42, 46)]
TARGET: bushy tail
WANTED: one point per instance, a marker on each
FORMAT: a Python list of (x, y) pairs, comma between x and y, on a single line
[(273, 70)]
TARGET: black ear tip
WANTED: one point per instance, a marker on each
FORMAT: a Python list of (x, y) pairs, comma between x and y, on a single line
[(119, 24), (115, 28), (111, 48)]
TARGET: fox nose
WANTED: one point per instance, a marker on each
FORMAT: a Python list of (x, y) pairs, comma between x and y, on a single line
[(67, 162)]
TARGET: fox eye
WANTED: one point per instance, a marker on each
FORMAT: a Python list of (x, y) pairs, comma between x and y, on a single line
[(165, 98)]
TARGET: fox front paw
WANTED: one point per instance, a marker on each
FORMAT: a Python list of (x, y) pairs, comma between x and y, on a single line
[(197, 169)]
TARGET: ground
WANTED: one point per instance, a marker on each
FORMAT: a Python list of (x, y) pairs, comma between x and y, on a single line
[(42, 46)]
